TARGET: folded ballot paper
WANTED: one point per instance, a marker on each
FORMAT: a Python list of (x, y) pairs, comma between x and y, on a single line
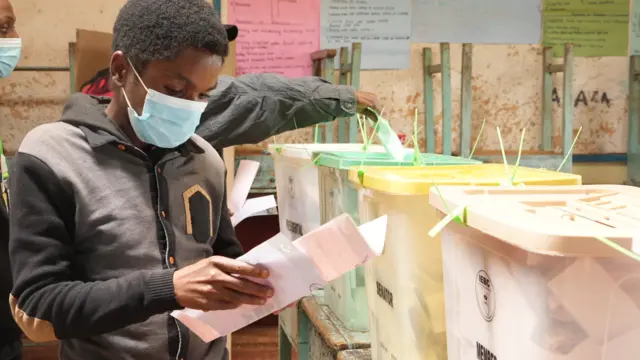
[(296, 269)]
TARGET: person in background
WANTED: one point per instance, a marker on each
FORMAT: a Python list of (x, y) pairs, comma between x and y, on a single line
[(10, 48), (119, 209)]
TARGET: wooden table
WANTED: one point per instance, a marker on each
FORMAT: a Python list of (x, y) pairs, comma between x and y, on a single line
[(316, 334)]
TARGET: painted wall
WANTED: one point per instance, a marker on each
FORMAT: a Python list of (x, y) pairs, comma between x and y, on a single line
[(507, 85), (46, 27)]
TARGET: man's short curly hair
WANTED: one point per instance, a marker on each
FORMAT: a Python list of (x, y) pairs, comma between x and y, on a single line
[(147, 30)]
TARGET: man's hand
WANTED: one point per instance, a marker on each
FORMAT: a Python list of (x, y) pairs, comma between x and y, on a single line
[(230, 211), (367, 100), (213, 284)]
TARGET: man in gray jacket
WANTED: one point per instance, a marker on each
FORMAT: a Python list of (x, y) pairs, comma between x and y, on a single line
[(119, 209)]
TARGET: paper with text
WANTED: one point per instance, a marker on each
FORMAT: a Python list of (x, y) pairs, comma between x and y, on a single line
[(297, 268), (276, 36), (595, 28), (254, 207), (479, 22), (382, 26)]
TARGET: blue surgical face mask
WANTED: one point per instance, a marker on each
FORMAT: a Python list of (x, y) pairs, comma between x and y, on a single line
[(166, 121), (10, 49)]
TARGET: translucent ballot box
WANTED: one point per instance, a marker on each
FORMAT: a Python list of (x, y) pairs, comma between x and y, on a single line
[(297, 183), (542, 273), (404, 285), (346, 296), (298, 199)]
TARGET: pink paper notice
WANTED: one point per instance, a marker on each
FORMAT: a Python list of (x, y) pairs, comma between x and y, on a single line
[(276, 36)]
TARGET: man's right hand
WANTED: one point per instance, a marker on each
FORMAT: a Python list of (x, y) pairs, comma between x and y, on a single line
[(213, 284)]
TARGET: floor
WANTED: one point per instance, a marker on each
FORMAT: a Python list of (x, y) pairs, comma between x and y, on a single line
[(256, 342)]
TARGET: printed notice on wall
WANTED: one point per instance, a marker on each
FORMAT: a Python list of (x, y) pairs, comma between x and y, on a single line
[(383, 28), (595, 27), (479, 22), (275, 36)]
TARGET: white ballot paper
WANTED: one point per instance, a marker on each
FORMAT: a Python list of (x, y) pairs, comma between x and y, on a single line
[(238, 203), (296, 269)]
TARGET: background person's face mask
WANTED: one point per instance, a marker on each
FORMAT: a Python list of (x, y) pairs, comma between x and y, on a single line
[(166, 121), (10, 49)]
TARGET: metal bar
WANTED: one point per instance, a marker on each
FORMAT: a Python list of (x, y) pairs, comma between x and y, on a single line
[(633, 145), (330, 67), (304, 323), (445, 59), (72, 67), (217, 4), (323, 54), (342, 123), (284, 345), (429, 114), (356, 56), (434, 69), (41, 68), (567, 105), (547, 102), (555, 68), (634, 105), (346, 69), (466, 99)]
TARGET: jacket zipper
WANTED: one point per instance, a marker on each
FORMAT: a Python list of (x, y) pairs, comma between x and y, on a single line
[(159, 214), (166, 254)]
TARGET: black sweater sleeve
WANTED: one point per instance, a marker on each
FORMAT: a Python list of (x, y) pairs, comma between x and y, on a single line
[(8, 329), (48, 300)]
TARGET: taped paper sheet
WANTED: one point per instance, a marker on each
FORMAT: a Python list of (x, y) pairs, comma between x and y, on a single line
[(253, 207), (296, 268), (238, 203), (247, 171)]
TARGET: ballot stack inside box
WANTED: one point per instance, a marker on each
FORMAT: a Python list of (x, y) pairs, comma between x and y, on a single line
[(404, 285), (532, 274), (346, 296)]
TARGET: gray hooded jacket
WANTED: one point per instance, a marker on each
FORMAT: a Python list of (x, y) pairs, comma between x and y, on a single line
[(98, 226)]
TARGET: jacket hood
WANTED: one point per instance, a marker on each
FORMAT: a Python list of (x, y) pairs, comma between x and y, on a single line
[(88, 113)]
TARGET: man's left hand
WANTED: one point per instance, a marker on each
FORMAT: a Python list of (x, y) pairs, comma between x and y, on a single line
[(290, 306), (367, 100)]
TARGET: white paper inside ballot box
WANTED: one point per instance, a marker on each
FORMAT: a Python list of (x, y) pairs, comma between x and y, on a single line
[(295, 270)]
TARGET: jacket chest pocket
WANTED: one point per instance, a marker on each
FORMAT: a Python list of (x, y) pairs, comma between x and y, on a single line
[(199, 214)]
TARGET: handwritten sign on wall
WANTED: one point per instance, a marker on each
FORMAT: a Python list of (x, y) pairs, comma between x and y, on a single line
[(276, 36), (480, 22), (382, 26), (595, 27)]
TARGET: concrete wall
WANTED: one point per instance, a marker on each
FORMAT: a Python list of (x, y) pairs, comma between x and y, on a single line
[(507, 84), (46, 27)]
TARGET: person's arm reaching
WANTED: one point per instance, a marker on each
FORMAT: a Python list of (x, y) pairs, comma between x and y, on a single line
[(47, 300), (253, 107)]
